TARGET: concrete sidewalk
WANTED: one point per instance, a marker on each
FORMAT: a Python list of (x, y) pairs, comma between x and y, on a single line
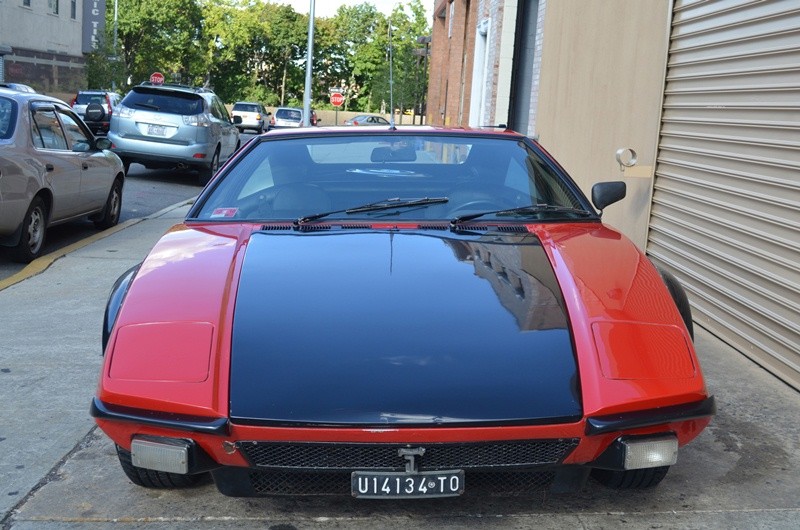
[(58, 471), (52, 315)]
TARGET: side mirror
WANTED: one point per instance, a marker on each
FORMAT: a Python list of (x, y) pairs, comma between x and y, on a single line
[(94, 112), (102, 143), (607, 193)]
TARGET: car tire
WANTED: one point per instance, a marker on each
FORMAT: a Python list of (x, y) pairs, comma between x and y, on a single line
[(206, 173), (681, 300), (630, 479), (260, 129), (113, 207), (126, 165), (34, 227), (149, 478)]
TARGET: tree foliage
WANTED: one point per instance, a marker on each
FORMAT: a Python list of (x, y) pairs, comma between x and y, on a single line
[(256, 50)]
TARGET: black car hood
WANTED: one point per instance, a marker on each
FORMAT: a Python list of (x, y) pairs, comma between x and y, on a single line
[(377, 328)]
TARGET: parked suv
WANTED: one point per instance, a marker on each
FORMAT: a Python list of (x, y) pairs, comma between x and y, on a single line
[(174, 126), (107, 100), (253, 115)]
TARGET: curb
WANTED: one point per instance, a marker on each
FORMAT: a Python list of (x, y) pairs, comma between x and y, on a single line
[(42, 263)]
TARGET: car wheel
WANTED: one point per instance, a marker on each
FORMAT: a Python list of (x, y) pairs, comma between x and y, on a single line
[(260, 129), (630, 479), (149, 478), (681, 300), (113, 207), (206, 173), (31, 240)]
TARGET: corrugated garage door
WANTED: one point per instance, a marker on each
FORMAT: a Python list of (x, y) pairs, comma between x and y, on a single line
[(726, 203)]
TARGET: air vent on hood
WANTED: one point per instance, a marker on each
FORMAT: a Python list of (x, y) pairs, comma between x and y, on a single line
[(276, 227), (517, 229)]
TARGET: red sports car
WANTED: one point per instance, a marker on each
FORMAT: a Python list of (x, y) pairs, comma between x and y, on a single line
[(399, 312)]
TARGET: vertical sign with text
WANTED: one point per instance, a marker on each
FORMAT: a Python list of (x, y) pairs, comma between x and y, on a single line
[(94, 25)]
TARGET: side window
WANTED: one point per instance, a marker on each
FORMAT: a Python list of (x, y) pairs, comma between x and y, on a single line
[(48, 133), (222, 110), (215, 110), (76, 135)]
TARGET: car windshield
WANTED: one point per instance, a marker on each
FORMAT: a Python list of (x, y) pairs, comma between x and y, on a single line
[(8, 117), (170, 102), (393, 177)]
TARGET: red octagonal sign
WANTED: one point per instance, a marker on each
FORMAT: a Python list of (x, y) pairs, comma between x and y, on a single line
[(337, 99), (157, 78)]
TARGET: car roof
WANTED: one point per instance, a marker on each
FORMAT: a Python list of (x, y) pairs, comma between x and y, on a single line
[(28, 96), (167, 87)]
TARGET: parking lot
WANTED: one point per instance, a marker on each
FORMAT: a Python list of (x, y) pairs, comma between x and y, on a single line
[(59, 472)]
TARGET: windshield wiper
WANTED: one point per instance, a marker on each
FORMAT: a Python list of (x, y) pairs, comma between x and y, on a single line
[(522, 211), (386, 204), (148, 106)]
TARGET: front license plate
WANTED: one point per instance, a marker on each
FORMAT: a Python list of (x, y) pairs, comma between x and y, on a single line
[(376, 485), (156, 130)]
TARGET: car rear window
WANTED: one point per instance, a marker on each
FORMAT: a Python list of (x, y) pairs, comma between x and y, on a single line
[(8, 117), (289, 114), (86, 99), (243, 107), (183, 103)]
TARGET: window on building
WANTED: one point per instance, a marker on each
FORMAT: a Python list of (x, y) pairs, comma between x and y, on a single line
[(26, 3), (73, 9), (53, 5)]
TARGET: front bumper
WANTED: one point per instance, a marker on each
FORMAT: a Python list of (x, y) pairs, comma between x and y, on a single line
[(256, 460)]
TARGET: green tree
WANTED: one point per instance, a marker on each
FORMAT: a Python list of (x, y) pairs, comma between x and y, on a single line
[(154, 35), (405, 80)]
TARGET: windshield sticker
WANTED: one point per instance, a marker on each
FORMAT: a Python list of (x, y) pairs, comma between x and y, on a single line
[(224, 212)]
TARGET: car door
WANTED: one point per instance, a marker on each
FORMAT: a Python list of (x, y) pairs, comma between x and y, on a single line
[(96, 173), (62, 169), (229, 134)]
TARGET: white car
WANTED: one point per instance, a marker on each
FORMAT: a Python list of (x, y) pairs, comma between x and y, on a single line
[(254, 116)]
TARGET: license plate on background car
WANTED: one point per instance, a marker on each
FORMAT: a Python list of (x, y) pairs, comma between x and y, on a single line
[(156, 130), (376, 485)]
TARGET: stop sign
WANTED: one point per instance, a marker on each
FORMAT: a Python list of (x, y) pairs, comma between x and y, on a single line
[(337, 99), (157, 78)]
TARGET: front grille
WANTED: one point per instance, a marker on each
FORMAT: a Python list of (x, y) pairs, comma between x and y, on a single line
[(385, 457), (513, 483)]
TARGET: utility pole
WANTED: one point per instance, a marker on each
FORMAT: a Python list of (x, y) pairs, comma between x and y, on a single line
[(307, 95)]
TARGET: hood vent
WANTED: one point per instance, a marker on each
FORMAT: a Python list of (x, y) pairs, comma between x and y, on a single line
[(276, 227), (516, 229)]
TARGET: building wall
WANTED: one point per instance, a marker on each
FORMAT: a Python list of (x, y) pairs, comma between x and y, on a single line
[(453, 42), (584, 105), (45, 48), (600, 90)]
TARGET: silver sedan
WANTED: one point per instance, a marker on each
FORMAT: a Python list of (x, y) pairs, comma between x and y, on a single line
[(52, 170)]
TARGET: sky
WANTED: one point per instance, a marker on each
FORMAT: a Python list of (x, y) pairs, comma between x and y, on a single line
[(327, 8)]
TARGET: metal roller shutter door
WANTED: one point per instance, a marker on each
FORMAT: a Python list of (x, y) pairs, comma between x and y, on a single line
[(725, 216)]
